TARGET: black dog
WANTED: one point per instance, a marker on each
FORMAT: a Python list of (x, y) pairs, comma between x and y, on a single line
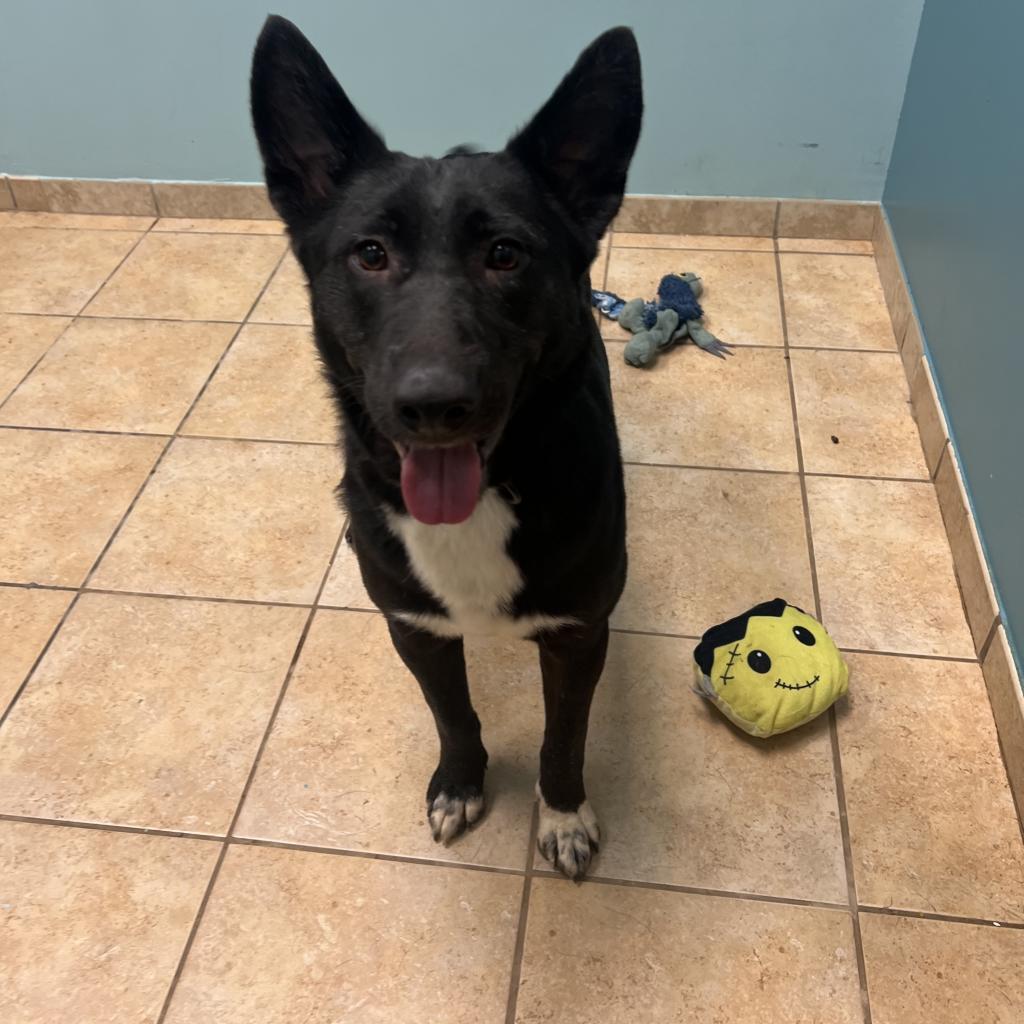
[(451, 307)]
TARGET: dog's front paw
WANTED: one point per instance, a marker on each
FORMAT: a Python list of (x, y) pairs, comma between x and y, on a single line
[(568, 839), (451, 813)]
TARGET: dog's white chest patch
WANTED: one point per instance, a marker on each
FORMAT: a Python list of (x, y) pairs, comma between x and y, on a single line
[(468, 569)]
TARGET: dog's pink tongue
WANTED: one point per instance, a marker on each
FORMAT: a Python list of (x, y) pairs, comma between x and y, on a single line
[(441, 485)]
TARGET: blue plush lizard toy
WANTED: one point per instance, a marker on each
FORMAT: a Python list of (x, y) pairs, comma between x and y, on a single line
[(671, 318)]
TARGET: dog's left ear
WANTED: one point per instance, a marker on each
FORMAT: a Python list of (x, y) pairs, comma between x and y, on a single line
[(581, 141)]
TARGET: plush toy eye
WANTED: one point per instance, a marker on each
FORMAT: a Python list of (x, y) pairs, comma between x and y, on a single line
[(759, 661), (504, 255), (371, 255), (805, 636)]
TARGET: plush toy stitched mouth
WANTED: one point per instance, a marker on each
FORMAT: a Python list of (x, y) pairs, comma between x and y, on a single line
[(780, 685)]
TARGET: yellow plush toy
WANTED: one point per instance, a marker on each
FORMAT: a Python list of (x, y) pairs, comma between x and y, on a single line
[(770, 669)]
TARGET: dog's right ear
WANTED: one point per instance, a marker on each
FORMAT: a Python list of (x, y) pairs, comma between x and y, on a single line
[(310, 135)]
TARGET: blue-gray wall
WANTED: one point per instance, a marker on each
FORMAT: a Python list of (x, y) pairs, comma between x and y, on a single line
[(955, 202), (745, 97)]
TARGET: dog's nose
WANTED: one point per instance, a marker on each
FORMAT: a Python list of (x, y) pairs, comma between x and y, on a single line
[(433, 400)]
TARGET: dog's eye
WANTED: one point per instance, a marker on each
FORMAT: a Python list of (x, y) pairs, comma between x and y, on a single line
[(504, 255), (371, 255)]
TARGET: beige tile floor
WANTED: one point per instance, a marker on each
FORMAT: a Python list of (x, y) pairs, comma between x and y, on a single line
[(212, 763)]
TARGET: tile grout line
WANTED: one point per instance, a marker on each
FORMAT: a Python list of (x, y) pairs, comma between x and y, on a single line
[(626, 883), (106, 432), (230, 234), (274, 844), (203, 598), (254, 767), (944, 456), (215, 234), (842, 349), (801, 468), (32, 369), (84, 430), (182, 319), (738, 346), (12, 585), (825, 250), (294, 323), (1001, 742), (625, 630), (986, 644), (1018, 805), (72, 317), (933, 475), (516, 972), (194, 928), (349, 608), (82, 587), (263, 440), (851, 883), (159, 596), (227, 348), (907, 654), (699, 890), (100, 826), (342, 539), (925, 915), (778, 472), (650, 632), (880, 479), (739, 249), (277, 234), (837, 766), (92, 227), (389, 858)]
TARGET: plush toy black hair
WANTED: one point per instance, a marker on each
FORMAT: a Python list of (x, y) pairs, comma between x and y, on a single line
[(731, 630)]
